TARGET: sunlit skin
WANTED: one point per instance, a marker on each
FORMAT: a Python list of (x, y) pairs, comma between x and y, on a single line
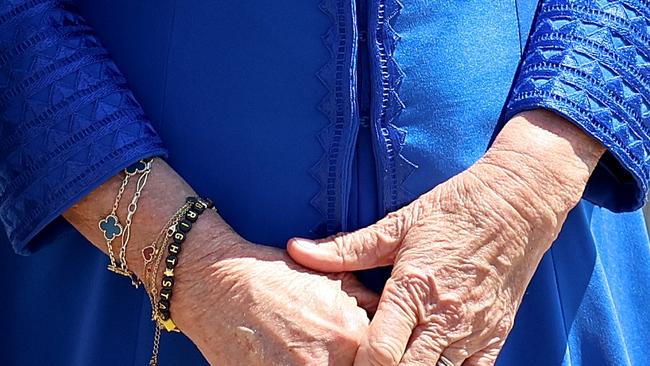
[(463, 254)]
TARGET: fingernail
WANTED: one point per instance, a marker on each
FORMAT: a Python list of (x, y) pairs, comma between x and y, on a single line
[(305, 243)]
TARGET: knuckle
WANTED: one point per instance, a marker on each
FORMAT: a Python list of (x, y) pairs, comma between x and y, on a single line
[(340, 240), (355, 325), (344, 247), (456, 352), (395, 224), (488, 359), (383, 352), (347, 338), (347, 241), (356, 245), (433, 305), (419, 208), (505, 326), (452, 305), (417, 284), (488, 356), (399, 290), (431, 341), (343, 338), (341, 248)]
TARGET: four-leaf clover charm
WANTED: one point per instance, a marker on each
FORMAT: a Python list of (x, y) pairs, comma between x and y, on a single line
[(111, 227), (137, 167)]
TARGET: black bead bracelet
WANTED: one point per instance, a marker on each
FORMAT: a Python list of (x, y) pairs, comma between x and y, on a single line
[(198, 206)]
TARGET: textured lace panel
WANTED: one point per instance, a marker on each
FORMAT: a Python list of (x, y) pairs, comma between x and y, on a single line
[(387, 105), (590, 62), (68, 121), (338, 75)]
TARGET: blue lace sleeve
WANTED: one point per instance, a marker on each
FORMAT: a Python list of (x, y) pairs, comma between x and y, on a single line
[(589, 61), (68, 121)]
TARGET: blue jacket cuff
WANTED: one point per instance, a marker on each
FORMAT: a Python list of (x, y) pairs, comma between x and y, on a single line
[(588, 62), (68, 121)]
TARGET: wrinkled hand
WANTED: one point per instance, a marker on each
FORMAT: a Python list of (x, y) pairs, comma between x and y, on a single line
[(463, 253), (254, 306)]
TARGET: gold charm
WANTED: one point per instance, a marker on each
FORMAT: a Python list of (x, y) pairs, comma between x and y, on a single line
[(170, 326), (148, 253)]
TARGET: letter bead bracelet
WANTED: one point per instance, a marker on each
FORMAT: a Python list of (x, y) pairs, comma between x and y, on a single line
[(184, 219), (167, 245)]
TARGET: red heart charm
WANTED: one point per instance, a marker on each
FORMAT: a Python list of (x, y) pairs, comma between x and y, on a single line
[(147, 253)]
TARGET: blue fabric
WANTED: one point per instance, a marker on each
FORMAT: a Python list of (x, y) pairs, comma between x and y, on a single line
[(590, 62), (68, 121), (307, 132)]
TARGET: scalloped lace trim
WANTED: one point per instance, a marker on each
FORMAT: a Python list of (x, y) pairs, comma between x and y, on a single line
[(337, 77), (397, 167)]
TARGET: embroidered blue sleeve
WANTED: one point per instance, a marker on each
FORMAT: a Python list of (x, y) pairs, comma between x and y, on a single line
[(589, 61), (68, 121)]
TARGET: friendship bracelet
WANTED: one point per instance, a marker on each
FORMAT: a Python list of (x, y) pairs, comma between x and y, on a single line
[(181, 222), (170, 240), (199, 205), (110, 225)]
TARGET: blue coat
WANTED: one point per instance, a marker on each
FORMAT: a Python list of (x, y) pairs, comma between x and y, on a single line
[(307, 118)]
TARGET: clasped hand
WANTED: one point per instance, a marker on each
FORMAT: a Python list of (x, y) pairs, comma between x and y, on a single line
[(462, 256)]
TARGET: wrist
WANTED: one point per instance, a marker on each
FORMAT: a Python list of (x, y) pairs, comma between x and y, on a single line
[(209, 239), (545, 156), (153, 209), (209, 242)]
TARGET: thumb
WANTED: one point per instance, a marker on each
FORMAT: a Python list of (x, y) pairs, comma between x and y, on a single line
[(370, 247)]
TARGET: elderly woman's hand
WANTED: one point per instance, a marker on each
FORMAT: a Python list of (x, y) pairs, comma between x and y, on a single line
[(252, 305), (464, 253), (240, 303)]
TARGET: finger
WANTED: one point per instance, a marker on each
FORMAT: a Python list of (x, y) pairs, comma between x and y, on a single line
[(366, 298), (390, 329), (370, 247), (455, 355), (485, 357), (425, 348)]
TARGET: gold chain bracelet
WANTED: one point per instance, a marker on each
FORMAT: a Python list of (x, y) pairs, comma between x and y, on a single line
[(111, 226), (169, 239), (153, 254)]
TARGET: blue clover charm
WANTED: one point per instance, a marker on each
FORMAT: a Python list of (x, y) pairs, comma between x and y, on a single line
[(137, 167), (111, 227)]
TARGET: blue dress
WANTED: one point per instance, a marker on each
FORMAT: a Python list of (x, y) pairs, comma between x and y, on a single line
[(345, 110)]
